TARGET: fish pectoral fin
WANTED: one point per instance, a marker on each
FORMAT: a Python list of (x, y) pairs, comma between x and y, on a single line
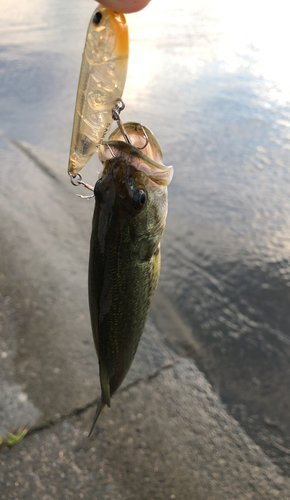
[(98, 412), (105, 384)]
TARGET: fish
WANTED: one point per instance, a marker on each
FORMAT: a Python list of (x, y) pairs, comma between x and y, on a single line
[(124, 263), (101, 82)]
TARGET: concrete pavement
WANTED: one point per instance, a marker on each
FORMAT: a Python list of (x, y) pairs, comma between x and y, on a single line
[(167, 435)]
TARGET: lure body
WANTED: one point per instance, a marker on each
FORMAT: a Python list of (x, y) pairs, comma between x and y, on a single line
[(129, 219), (101, 83)]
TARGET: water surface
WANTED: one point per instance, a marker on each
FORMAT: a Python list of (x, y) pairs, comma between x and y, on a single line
[(211, 79)]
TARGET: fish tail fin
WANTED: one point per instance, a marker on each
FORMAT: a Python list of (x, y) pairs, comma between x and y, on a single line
[(105, 399), (98, 412), (105, 384)]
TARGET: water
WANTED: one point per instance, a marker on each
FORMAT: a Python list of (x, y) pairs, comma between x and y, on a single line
[(211, 79)]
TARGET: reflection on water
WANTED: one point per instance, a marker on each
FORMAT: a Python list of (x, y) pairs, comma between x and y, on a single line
[(250, 35), (220, 91), (211, 79)]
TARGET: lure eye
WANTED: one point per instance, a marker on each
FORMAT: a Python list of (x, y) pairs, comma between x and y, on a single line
[(140, 198), (97, 18)]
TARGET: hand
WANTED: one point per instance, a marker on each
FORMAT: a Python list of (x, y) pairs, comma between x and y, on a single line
[(125, 6)]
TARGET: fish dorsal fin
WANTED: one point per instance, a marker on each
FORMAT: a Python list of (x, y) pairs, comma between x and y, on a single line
[(105, 384)]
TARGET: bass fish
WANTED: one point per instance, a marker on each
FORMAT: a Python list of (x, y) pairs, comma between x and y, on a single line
[(128, 222), (101, 83)]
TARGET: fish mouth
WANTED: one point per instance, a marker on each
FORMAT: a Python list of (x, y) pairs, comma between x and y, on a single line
[(148, 160)]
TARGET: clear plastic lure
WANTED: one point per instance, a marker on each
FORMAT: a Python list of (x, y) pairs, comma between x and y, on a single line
[(101, 83)]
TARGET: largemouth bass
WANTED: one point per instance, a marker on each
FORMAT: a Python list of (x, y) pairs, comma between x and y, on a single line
[(128, 222), (101, 83)]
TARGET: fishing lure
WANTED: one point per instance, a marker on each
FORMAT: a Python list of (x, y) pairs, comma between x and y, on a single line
[(101, 82), (130, 202)]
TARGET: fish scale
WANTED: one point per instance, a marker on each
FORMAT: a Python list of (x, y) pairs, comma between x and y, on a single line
[(124, 262)]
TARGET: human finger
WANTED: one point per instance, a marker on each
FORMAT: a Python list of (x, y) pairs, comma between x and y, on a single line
[(125, 6)]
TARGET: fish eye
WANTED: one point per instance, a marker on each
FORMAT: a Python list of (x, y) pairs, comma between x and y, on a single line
[(97, 18), (140, 198)]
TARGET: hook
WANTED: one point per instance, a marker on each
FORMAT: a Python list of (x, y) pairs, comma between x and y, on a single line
[(145, 137), (120, 105), (111, 151), (76, 180), (86, 197)]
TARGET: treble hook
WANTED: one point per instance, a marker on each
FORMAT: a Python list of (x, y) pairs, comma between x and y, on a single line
[(76, 180), (111, 151), (120, 105), (145, 137)]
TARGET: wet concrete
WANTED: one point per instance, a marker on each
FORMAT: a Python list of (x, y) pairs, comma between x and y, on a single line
[(217, 98), (146, 446), (46, 330)]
